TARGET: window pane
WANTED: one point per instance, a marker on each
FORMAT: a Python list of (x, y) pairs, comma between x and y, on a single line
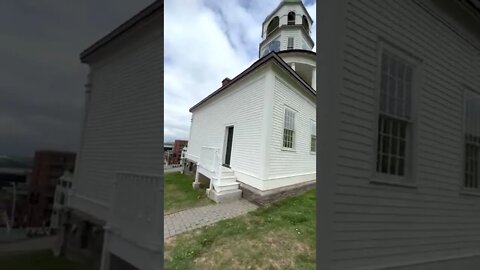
[(401, 167), (401, 147), (385, 144), (391, 146), (393, 165), (394, 150), (384, 165)]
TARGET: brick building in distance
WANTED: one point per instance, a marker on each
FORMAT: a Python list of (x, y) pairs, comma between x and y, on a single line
[(48, 166), (177, 151)]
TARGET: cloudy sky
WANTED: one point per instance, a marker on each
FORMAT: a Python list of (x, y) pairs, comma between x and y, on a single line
[(206, 41), (41, 77)]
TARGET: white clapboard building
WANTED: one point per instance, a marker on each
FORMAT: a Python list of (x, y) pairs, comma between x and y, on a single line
[(256, 133), (399, 152), (116, 215)]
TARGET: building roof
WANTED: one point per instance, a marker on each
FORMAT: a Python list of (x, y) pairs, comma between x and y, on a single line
[(142, 15), (273, 56)]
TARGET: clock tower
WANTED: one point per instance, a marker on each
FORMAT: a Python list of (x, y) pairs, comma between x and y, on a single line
[(286, 28)]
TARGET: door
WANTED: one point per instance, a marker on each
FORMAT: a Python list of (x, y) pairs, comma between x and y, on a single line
[(228, 146)]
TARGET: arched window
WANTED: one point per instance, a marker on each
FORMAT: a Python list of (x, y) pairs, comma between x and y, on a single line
[(272, 25), (305, 22), (291, 18)]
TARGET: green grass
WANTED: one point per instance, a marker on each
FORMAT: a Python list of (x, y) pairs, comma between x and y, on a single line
[(281, 236), (179, 193), (40, 260)]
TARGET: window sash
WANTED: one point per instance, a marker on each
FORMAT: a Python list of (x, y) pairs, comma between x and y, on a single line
[(394, 116), (396, 80), (392, 146), (472, 163), (289, 129), (313, 143), (472, 142), (313, 136)]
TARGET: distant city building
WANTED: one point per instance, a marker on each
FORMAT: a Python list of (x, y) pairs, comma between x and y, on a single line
[(61, 199), (48, 166), (167, 153), (178, 145)]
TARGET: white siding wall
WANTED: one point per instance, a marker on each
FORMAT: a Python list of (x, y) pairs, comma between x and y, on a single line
[(242, 106), (123, 128), (382, 225), (290, 167)]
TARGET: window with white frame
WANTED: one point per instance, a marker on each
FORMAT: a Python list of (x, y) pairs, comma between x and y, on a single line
[(472, 141), (313, 136), (289, 129), (394, 119)]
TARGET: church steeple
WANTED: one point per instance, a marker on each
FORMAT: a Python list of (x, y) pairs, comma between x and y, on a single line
[(286, 28)]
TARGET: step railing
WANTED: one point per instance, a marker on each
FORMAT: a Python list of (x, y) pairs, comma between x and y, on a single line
[(211, 161), (136, 211)]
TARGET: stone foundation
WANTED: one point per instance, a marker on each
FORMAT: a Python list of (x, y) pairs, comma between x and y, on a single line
[(265, 198), (225, 196)]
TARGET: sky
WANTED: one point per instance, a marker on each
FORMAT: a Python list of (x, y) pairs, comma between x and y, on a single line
[(206, 41), (41, 77)]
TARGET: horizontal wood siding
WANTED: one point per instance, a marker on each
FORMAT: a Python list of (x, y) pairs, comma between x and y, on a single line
[(381, 225), (299, 161), (241, 105), (123, 128)]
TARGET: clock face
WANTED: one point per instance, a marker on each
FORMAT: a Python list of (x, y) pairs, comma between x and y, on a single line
[(273, 46)]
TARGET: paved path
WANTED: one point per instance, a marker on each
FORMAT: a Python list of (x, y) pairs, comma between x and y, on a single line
[(194, 218)]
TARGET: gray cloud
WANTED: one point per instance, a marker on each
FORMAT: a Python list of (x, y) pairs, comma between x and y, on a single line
[(41, 77)]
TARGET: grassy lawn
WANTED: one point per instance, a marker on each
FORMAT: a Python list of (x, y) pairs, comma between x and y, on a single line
[(40, 260), (281, 236), (179, 193)]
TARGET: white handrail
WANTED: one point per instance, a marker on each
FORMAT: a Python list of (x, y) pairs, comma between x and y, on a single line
[(210, 160)]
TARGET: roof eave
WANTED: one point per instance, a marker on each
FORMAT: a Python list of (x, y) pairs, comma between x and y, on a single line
[(124, 27), (254, 66)]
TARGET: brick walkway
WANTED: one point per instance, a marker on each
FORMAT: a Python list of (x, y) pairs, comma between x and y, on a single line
[(194, 218)]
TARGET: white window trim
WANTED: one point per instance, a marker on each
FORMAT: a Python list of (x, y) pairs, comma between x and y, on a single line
[(409, 180), (295, 135)]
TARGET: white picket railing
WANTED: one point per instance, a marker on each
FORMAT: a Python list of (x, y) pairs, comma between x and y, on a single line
[(136, 212)]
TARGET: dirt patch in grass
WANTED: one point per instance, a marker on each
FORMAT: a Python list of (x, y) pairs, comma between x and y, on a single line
[(274, 250), (281, 236)]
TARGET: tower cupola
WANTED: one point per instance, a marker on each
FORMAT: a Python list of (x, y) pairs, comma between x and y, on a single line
[(288, 27)]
